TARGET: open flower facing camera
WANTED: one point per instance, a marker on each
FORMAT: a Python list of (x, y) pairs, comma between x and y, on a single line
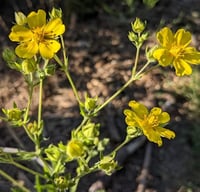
[(38, 41), (175, 50), (35, 35)]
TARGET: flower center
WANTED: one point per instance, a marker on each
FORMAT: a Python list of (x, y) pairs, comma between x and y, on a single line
[(38, 34), (176, 51), (151, 122)]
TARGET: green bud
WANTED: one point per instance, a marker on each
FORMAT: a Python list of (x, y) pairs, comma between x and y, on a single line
[(102, 144), (74, 149), (149, 54), (29, 66), (20, 18), (14, 114), (61, 182), (52, 153), (90, 130), (11, 59), (32, 128), (144, 37), (90, 103), (133, 132), (138, 26), (132, 37), (49, 70), (55, 13), (108, 165)]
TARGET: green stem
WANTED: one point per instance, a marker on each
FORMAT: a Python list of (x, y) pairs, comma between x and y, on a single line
[(115, 94), (142, 69), (120, 146), (13, 181), (74, 187), (40, 104), (30, 92), (27, 169), (37, 184), (85, 119), (136, 61), (73, 86), (64, 52), (39, 124), (65, 68)]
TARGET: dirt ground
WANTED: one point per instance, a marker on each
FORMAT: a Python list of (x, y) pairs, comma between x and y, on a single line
[(100, 57)]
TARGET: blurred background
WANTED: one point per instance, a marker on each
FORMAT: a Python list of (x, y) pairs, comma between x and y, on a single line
[(100, 59)]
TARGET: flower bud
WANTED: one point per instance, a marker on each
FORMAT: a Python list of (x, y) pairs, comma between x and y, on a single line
[(55, 13), (74, 149), (20, 18), (52, 153), (61, 182), (108, 165), (28, 66), (90, 103), (138, 26), (133, 132), (32, 128), (132, 37), (14, 114)]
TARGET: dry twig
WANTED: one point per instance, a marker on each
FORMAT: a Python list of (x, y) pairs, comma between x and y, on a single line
[(142, 179)]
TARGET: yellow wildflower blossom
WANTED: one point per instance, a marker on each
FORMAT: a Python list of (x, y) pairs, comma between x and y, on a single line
[(175, 49), (37, 36), (149, 122)]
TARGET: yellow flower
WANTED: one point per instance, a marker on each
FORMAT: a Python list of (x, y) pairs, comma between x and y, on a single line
[(149, 122), (37, 36), (175, 49)]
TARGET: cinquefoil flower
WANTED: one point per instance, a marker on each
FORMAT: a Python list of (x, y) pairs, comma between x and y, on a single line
[(37, 35), (175, 49), (149, 122)]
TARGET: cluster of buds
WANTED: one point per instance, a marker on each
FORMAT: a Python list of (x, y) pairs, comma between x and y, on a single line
[(137, 36)]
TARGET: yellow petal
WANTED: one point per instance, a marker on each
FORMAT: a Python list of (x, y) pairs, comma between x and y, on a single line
[(48, 48), (139, 109), (182, 68), (165, 37), (54, 28), (20, 34), (163, 132), (163, 56), (36, 19), (155, 111), (130, 122), (164, 118), (191, 55), (153, 136), (182, 38), (27, 49)]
